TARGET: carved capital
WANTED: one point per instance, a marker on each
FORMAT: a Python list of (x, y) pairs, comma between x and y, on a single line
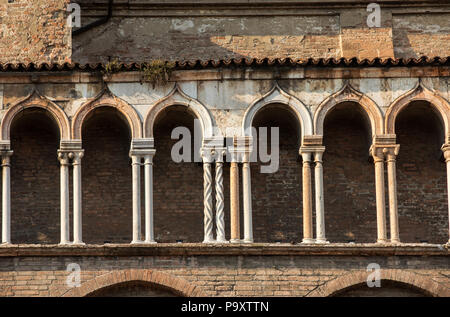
[(76, 156), (378, 153), (6, 157), (63, 157), (446, 149)]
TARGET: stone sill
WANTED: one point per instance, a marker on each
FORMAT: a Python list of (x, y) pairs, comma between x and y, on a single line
[(231, 249)]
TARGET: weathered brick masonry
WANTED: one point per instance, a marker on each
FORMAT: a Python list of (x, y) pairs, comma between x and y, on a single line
[(196, 270), (370, 120)]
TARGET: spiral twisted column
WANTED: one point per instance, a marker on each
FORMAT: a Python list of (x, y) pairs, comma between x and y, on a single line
[(207, 155), (220, 222)]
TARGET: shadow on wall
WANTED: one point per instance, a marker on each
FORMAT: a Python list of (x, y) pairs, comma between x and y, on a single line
[(142, 39)]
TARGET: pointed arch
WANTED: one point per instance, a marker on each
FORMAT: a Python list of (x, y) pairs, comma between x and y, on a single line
[(349, 94), (36, 100), (178, 97), (418, 93), (108, 99), (278, 95)]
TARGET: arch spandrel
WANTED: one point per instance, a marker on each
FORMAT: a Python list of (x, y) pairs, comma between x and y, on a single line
[(107, 99), (36, 100), (418, 93), (178, 97), (349, 94), (278, 96)]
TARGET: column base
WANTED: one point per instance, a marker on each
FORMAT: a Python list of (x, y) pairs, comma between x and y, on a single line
[(149, 242), (395, 242), (222, 241), (235, 241), (5, 244), (209, 241), (322, 241), (78, 243), (308, 240), (65, 243), (382, 241), (247, 241), (137, 242)]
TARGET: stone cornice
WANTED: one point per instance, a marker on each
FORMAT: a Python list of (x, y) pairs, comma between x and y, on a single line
[(197, 249)]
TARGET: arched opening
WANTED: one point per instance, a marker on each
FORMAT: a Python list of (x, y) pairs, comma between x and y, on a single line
[(106, 177), (134, 289), (421, 175), (387, 288), (178, 186), (277, 195), (349, 187), (35, 178)]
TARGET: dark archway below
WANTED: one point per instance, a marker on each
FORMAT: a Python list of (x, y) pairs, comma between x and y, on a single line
[(133, 289), (387, 289)]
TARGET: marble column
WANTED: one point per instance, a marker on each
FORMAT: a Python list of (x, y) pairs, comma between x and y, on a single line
[(446, 150), (136, 176), (307, 199), (148, 171), (220, 222), (378, 157), (6, 196), (77, 197), (247, 197), (207, 195), (320, 213), (64, 190), (392, 187), (234, 200)]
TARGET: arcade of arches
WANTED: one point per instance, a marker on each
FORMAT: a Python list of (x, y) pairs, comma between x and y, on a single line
[(201, 198), (95, 181)]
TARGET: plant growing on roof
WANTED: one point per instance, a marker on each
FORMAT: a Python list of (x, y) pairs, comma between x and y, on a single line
[(157, 71)]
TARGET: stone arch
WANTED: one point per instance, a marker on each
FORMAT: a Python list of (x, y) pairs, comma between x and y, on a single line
[(278, 95), (349, 94), (177, 285), (38, 101), (107, 99), (418, 93), (178, 97), (424, 283)]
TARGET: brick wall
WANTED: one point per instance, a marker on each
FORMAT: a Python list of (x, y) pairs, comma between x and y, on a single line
[(349, 184), (178, 189), (35, 179), (106, 176), (220, 274), (277, 197), (34, 31), (421, 178)]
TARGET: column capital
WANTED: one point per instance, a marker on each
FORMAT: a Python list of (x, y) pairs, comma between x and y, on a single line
[(63, 157), (76, 156), (391, 151), (446, 150), (6, 157)]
